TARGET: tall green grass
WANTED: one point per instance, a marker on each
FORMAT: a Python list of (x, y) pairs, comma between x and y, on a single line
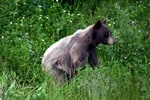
[(29, 27)]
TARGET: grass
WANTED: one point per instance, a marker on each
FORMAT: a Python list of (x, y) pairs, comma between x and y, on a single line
[(29, 27)]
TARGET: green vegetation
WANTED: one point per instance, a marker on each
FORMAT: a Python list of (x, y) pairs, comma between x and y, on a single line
[(29, 27)]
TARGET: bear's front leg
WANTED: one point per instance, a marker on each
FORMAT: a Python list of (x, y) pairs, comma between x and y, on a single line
[(92, 58)]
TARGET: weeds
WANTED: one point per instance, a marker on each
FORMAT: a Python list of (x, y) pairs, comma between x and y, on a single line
[(29, 27)]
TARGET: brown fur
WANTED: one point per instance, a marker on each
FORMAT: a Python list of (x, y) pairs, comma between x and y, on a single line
[(65, 56)]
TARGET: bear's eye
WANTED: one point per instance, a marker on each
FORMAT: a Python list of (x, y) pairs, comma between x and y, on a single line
[(109, 33)]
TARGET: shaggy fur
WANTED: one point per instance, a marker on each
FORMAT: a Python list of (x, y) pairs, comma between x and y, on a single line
[(63, 57)]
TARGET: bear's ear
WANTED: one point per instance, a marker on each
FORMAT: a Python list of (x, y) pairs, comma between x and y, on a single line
[(97, 25), (104, 21)]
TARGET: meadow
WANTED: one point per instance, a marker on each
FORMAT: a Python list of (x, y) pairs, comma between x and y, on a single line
[(29, 27)]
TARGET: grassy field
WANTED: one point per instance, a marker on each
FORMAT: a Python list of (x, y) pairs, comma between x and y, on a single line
[(29, 27)]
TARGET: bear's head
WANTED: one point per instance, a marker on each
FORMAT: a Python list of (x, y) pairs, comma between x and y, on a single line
[(101, 33)]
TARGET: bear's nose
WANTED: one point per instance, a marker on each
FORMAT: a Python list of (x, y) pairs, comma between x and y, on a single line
[(112, 40)]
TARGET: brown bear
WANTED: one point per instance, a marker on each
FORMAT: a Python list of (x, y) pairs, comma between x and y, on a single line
[(63, 58)]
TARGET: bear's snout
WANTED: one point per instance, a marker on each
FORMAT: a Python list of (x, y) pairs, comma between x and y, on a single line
[(112, 40)]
